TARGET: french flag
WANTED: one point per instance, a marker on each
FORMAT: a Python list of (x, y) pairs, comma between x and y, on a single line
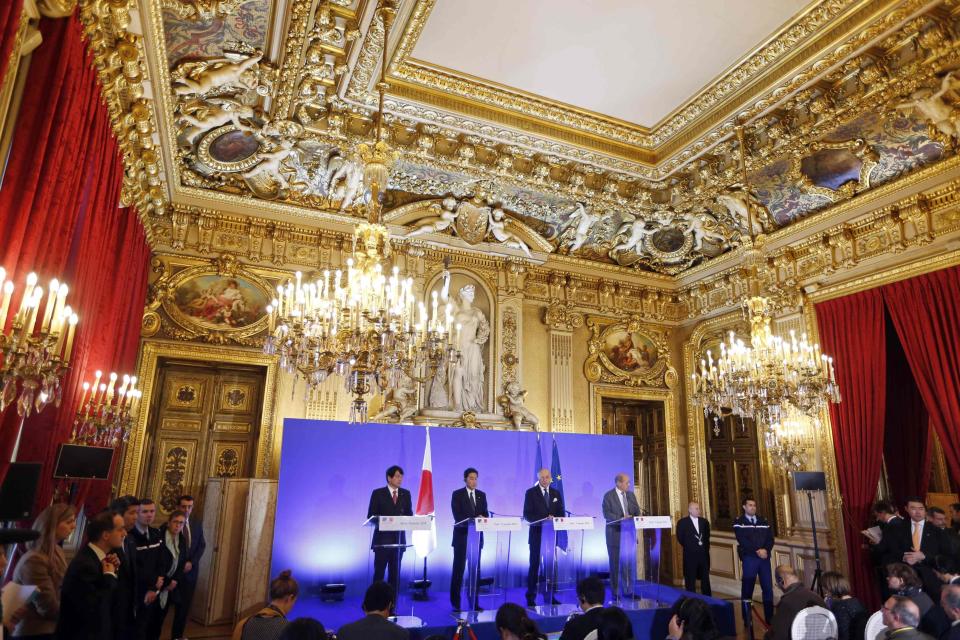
[(426, 541)]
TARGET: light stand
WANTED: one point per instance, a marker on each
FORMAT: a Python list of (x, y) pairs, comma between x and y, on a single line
[(808, 482), (818, 571)]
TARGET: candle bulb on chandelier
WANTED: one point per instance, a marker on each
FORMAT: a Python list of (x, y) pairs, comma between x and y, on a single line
[(5, 305), (71, 334), (48, 308)]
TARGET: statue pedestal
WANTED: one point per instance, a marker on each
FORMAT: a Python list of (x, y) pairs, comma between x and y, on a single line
[(448, 418)]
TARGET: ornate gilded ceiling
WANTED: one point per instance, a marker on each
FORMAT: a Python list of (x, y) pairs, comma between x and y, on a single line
[(260, 104)]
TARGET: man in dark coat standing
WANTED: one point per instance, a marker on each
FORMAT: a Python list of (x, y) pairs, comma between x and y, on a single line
[(86, 596), (693, 534), (539, 503), (466, 503), (196, 544), (392, 500)]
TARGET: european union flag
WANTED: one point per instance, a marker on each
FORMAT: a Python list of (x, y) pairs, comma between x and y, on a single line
[(558, 485), (538, 463)]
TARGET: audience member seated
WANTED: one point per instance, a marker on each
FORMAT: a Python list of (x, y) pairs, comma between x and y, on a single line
[(377, 603), (86, 597), (950, 603), (590, 594), (850, 613), (513, 623), (614, 625), (901, 617), (269, 622), (44, 565), (691, 619), (173, 555), (903, 581), (795, 598), (304, 629)]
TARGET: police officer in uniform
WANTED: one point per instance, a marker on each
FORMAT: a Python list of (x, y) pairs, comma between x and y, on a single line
[(754, 543)]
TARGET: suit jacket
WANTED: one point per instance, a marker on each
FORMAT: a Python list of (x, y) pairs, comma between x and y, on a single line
[(752, 537), (86, 599), (198, 544), (462, 509), (796, 598), (124, 603), (535, 508), (907, 633), (372, 627), (687, 536), (381, 504), (613, 510), (578, 627), (166, 562), (953, 633), (899, 539)]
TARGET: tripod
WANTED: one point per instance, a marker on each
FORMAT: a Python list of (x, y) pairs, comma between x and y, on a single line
[(818, 571)]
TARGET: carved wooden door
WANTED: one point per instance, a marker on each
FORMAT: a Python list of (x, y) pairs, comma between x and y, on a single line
[(734, 469), (205, 423)]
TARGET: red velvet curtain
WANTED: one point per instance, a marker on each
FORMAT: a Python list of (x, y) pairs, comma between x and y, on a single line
[(10, 11), (852, 331), (907, 444), (59, 217), (926, 315)]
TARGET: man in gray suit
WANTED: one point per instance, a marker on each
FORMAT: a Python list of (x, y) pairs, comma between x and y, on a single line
[(619, 503)]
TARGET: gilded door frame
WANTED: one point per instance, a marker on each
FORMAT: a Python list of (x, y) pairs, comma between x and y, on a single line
[(268, 443), (668, 397)]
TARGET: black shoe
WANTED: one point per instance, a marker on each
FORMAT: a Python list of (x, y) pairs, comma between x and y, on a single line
[(531, 603), (478, 608), (555, 601)]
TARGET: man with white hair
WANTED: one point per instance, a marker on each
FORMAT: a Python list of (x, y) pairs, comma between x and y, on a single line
[(901, 617), (950, 601)]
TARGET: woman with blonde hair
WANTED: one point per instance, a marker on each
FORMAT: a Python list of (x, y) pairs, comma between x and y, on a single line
[(44, 565)]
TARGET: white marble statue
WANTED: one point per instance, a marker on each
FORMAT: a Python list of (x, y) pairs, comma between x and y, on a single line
[(401, 401), (210, 114), (930, 105), (270, 164), (584, 220), (460, 386), (636, 231), (498, 229), (737, 203), (203, 78), (697, 226), (448, 217), (514, 407)]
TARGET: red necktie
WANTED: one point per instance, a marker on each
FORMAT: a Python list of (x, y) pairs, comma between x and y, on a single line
[(394, 496)]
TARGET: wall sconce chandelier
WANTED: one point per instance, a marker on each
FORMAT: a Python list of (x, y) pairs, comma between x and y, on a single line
[(105, 413)]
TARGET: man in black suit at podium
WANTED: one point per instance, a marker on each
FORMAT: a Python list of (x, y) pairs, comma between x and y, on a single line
[(391, 500), (693, 534), (541, 501), (468, 502), (618, 503)]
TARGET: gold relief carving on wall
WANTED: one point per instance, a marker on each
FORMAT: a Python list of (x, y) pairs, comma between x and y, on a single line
[(176, 461), (236, 398), (626, 352), (232, 427), (184, 393), (510, 358), (228, 460), (561, 317), (179, 424)]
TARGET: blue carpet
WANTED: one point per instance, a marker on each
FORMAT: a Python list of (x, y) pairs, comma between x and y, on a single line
[(648, 623)]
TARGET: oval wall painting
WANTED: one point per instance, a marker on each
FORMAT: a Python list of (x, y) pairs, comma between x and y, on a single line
[(221, 302)]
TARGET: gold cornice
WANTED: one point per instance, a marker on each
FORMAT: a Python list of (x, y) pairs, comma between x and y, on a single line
[(886, 276)]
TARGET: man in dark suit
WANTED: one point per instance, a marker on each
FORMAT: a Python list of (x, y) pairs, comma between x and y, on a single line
[(150, 577), (377, 603), (901, 616), (392, 500), (466, 503), (86, 596), (754, 543), (916, 543), (693, 534), (124, 596), (887, 519), (540, 502), (618, 503), (950, 601), (590, 592), (196, 545)]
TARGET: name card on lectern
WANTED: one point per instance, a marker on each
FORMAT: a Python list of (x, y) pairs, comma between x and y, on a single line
[(573, 523), (405, 523), (499, 523), (653, 522)]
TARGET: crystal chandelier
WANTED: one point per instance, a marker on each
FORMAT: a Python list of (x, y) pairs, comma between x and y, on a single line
[(361, 323), (773, 380), (37, 348), (105, 412)]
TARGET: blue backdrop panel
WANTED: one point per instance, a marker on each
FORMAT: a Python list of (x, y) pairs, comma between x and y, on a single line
[(328, 469)]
